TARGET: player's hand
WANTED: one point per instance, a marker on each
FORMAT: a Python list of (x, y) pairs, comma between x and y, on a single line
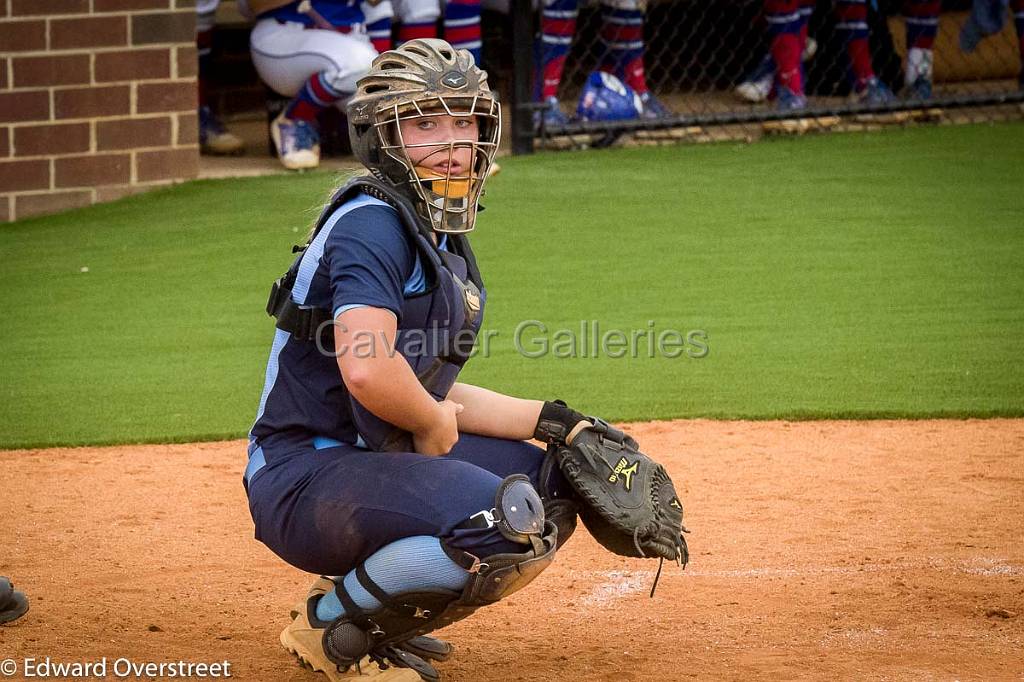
[(443, 434)]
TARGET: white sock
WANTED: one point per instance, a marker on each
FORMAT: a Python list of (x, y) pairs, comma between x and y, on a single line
[(919, 64)]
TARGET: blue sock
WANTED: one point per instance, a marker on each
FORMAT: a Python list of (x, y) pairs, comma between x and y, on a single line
[(416, 563)]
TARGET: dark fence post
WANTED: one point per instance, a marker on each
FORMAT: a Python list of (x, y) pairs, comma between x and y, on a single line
[(522, 76)]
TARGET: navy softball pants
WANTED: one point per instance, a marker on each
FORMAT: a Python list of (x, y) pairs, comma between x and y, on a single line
[(325, 511)]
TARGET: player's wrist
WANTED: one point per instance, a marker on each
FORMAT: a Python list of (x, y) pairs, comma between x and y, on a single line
[(557, 421)]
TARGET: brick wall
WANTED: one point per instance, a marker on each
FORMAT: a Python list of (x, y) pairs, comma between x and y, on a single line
[(97, 100)]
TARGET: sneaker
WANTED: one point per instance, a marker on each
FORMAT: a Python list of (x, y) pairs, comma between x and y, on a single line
[(652, 108), (758, 85), (550, 115), (790, 101), (214, 137), (921, 88), (873, 91), (297, 143), (305, 641)]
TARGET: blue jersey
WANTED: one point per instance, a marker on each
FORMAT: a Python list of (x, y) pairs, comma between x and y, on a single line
[(336, 12), (362, 256)]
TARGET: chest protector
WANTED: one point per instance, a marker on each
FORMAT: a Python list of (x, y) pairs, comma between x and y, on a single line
[(437, 328)]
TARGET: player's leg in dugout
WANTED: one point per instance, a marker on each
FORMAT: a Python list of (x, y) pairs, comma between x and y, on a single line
[(286, 55)]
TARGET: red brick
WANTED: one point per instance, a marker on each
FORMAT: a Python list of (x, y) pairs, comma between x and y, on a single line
[(24, 175), (159, 97), (93, 170), (188, 129), (188, 62), (51, 139), (110, 100), (133, 65), (184, 3), (5, 142), (112, 193), (33, 105), (127, 5), (88, 32), (166, 27), (22, 36), (169, 163), (69, 69), (26, 205), (3, 74), (128, 133), (48, 7)]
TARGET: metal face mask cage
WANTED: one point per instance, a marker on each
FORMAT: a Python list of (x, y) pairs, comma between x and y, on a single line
[(448, 202)]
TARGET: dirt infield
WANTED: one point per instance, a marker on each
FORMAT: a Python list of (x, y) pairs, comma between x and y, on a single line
[(867, 550)]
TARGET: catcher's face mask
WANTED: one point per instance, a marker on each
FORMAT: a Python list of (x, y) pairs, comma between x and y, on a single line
[(447, 145)]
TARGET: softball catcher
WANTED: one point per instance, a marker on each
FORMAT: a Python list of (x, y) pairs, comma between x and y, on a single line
[(414, 496)]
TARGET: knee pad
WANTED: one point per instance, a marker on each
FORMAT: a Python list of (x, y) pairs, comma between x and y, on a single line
[(518, 513)]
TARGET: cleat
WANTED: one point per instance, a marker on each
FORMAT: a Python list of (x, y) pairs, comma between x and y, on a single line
[(297, 143), (214, 137), (872, 91), (305, 642), (550, 115), (921, 88), (757, 86), (652, 108), (790, 101)]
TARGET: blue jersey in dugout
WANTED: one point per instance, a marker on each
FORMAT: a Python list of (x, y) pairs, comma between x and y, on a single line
[(336, 12), (364, 255)]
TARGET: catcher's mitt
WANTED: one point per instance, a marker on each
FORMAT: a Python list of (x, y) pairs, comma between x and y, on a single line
[(629, 503)]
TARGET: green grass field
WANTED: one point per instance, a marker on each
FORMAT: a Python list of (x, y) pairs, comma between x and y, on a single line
[(841, 276)]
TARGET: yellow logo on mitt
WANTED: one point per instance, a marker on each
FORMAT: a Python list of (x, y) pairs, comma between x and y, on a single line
[(626, 470)]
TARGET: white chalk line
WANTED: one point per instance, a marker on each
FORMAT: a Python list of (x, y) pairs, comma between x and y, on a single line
[(615, 584)]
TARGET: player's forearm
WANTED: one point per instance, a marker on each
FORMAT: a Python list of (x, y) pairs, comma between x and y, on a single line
[(489, 413), (378, 376), (388, 388)]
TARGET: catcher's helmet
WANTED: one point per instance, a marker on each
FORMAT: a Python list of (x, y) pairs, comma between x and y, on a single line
[(426, 77)]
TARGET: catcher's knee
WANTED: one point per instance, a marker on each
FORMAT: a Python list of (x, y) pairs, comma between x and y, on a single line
[(518, 514)]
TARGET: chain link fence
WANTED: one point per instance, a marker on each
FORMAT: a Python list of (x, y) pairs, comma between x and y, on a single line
[(590, 73)]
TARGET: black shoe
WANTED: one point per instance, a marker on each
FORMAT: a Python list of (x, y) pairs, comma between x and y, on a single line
[(13, 604)]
